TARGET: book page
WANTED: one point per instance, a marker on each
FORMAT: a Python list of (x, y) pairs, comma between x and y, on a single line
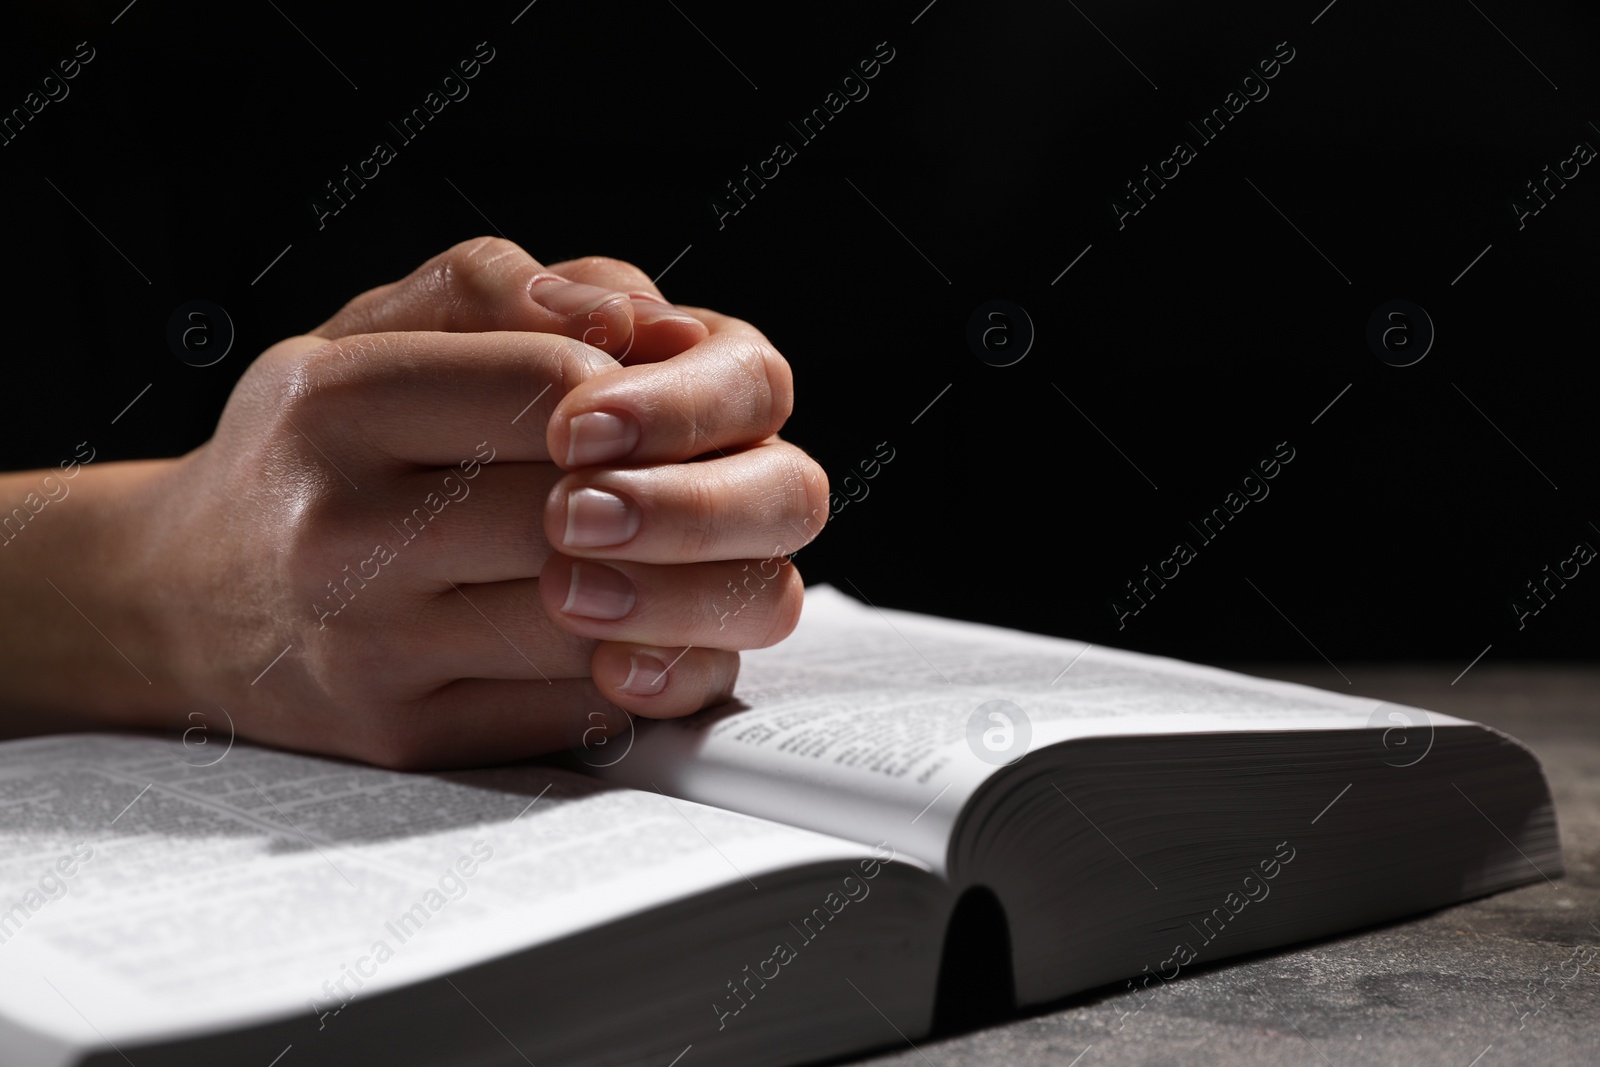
[(878, 724), (141, 895)]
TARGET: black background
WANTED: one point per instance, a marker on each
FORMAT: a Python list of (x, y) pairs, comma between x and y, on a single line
[(1219, 321)]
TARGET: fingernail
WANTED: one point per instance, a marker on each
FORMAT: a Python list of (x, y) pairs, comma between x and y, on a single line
[(599, 592), (649, 309), (596, 519), (572, 298), (647, 674), (600, 437)]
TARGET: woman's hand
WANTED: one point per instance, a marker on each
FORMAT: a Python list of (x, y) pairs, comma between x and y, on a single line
[(353, 563), (652, 551)]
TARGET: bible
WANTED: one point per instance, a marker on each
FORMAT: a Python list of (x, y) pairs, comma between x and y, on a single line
[(781, 879)]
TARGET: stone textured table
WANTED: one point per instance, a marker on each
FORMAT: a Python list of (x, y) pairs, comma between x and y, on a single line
[(1447, 988)]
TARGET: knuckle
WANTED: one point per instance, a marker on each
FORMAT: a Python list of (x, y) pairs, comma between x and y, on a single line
[(294, 400), (488, 259), (786, 607), (703, 512), (322, 387), (772, 382), (398, 742), (557, 366), (479, 254), (316, 548), (572, 364), (488, 248), (468, 277), (321, 395), (360, 312), (340, 664), (325, 372), (285, 375), (321, 658), (808, 503), (689, 413), (607, 267), (390, 725)]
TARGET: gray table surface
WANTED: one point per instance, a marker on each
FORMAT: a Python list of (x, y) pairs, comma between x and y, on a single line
[(1446, 988)]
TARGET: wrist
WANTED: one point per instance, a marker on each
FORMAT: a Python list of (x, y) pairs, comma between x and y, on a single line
[(81, 585)]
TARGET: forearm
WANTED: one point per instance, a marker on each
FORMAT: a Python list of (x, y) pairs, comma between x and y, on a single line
[(77, 632)]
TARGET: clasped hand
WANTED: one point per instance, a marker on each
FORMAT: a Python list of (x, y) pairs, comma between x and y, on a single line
[(476, 507)]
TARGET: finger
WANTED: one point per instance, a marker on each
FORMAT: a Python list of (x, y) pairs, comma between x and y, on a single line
[(663, 683), (498, 630), (609, 273), (734, 605), (450, 528), (490, 284), (476, 721), (660, 330), (432, 399), (728, 391), (735, 507)]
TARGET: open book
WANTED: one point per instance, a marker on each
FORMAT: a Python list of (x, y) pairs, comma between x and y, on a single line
[(773, 881)]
